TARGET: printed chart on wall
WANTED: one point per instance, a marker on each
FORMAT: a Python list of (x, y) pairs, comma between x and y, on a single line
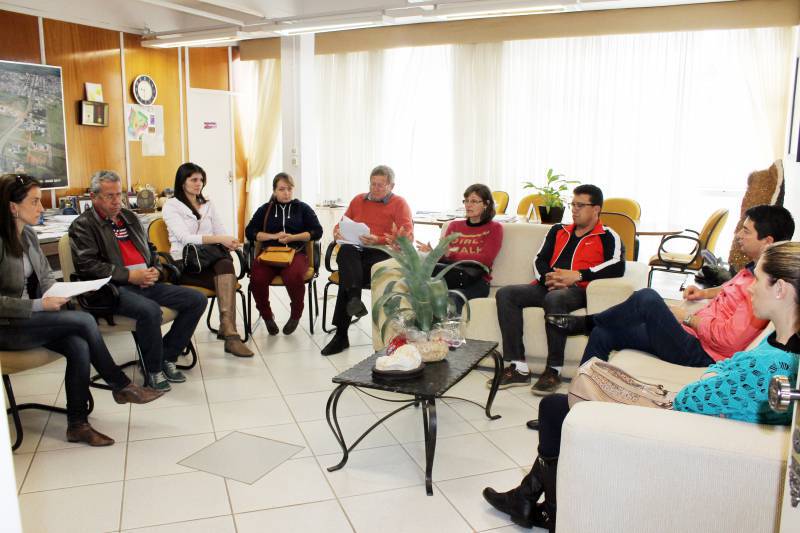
[(145, 123), (32, 134)]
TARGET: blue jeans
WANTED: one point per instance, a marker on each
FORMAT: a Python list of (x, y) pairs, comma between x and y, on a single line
[(73, 334), (644, 322), (144, 306)]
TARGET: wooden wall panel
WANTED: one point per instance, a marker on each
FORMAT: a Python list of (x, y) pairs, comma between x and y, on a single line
[(19, 40), (208, 68), (162, 66), (89, 54)]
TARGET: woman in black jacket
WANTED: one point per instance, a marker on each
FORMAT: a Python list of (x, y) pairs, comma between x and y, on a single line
[(283, 221)]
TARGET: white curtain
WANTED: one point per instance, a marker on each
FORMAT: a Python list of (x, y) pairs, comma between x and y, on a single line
[(674, 120), (259, 100)]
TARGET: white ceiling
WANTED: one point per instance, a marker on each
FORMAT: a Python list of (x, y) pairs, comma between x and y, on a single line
[(258, 18)]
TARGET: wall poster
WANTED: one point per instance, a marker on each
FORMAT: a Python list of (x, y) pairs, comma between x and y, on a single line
[(32, 132)]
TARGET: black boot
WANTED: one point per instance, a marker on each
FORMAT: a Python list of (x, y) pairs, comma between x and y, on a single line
[(571, 324), (518, 503), (545, 469)]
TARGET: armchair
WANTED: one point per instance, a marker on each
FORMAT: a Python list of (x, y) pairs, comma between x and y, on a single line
[(706, 239), (500, 201)]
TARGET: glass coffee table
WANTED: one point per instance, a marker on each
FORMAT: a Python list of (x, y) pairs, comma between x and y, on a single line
[(434, 382)]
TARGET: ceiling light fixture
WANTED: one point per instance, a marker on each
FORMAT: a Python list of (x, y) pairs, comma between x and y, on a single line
[(192, 39), (446, 13)]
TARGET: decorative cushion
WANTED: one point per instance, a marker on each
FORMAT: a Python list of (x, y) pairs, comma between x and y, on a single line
[(763, 187)]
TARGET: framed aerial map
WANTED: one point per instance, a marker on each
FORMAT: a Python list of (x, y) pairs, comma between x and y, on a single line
[(32, 133)]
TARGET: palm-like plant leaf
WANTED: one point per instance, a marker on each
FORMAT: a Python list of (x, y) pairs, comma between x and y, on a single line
[(427, 296)]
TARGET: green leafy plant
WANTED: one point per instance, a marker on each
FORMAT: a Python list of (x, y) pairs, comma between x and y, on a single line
[(553, 190), (418, 294)]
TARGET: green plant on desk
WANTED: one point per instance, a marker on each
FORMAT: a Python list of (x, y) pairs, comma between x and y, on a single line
[(553, 190)]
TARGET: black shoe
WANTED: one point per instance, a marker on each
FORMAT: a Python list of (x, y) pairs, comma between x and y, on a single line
[(511, 377), (533, 424), (290, 326), (356, 308), (547, 383), (338, 344), (569, 324), (272, 327)]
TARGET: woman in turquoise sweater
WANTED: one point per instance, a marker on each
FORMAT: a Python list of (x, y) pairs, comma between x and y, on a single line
[(735, 388)]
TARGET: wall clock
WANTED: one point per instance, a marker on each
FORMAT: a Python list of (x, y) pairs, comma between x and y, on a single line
[(144, 89)]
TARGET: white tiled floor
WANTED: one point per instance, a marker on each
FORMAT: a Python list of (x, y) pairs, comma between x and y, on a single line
[(137, 485)]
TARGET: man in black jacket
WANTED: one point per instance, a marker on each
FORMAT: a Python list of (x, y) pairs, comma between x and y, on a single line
[(109, 240), (570, 257)]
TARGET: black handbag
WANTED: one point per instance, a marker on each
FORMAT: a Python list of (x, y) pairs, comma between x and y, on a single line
[(460, 276), (101, 303), (199, 257)]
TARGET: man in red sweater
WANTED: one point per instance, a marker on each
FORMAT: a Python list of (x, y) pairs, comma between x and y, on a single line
[(386, 215)]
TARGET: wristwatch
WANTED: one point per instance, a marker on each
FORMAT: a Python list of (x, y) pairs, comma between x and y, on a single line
[(687, 320), (580, 276)]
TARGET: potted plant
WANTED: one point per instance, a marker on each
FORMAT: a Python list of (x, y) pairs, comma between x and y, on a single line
[(418, 302), (553, 190)]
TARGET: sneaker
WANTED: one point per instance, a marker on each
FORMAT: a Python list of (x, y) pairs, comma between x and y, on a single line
[(172, 373), (159, 382), (547, 383), (511, 377)]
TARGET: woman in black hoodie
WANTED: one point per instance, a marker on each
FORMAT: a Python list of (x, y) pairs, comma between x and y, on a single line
[(283, 221)]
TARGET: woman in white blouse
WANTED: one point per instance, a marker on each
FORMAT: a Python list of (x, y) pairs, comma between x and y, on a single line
[(191, 219)]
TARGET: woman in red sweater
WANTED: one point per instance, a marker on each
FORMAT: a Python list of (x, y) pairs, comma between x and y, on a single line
[(480, 240)]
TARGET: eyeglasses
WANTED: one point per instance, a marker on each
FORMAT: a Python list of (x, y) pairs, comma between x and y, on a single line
[(472, 202), (578, 205)]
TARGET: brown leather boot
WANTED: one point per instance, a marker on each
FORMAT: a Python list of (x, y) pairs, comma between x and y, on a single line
[(133, 393), (83, 432), (225, 286)]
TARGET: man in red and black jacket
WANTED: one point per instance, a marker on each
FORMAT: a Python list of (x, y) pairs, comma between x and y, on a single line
[(570, 257)]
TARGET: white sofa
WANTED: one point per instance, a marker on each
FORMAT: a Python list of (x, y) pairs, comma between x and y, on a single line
[(624, 468), (514, 265), (631, 469)]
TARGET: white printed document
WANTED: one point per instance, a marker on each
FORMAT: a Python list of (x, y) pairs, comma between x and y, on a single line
[(351, 231), (70, 289)]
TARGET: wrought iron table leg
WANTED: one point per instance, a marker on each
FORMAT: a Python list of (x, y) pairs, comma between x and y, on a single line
[(333, 423), (429, 425), (498, 370)]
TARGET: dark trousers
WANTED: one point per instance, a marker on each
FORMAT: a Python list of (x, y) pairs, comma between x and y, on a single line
[(262, 274), (144, 306), (355, 271), (512, 299), (644, 322), (479, 289), (73, 334), (205, 278), (553, 410)]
